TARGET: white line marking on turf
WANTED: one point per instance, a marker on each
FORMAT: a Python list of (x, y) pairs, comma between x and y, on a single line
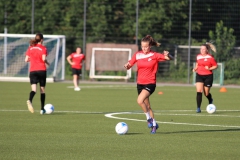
[(111, 115), (106, 86)]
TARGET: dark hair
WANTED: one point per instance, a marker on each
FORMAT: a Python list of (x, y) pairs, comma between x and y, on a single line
[(209, 46), (38, 38), (151, 41)]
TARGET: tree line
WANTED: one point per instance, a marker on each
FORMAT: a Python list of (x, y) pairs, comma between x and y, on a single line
[(114, 21)]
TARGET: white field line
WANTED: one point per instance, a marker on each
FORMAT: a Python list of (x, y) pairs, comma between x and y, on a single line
[(111, 115), (105, 86)]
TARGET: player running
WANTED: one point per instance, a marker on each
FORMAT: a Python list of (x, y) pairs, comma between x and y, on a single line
[(36, 55), (147, 65), (204, 73)]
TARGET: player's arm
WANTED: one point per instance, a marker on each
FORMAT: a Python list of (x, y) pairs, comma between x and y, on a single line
[(195, 68), (27, 58), (69, 60), (45, 59), (127, 65), (211, 68), (167, 56)]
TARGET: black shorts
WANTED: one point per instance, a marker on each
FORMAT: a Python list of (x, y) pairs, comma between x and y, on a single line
[(77, 72), (207, 80), (38, 77), (149, 87)]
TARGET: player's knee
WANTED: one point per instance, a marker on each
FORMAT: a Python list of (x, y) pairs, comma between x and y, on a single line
[(139, 101)]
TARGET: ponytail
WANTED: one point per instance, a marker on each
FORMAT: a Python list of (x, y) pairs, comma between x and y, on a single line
[(151, 41), (38, 38)]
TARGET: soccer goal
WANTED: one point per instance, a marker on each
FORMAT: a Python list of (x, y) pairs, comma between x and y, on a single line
[(13, 48), (109, 59), (218, 75)]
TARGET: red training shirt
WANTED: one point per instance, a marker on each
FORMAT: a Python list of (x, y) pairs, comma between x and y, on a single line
[(35, 53), (202, 61), (147, 66), (77, 59)]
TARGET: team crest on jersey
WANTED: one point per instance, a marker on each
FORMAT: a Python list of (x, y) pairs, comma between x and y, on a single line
[(205, 59), (149, 59)]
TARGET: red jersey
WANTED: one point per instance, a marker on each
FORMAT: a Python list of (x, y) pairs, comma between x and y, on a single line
[(202, 61), (35, 53), (147, 66), (77, 59)]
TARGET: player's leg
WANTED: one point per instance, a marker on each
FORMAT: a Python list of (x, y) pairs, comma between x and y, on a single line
[(149, 114), (75, 79), (199, 89), (207, 86), (33, 82), (42, 83), (140, 100)]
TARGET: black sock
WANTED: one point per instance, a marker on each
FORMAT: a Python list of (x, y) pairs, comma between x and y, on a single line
[(31, 95), (209, 97), (199, 99), (42, 100)]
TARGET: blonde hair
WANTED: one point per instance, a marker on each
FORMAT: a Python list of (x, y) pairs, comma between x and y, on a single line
[(209, 45), (150, 40)]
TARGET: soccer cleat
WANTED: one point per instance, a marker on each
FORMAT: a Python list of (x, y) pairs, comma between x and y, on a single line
[(198, 110), (42, 111), (150, 123), (154, 128), (30, 107), (77, 89)]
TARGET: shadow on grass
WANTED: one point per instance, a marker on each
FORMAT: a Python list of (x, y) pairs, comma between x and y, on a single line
[(204, 131)]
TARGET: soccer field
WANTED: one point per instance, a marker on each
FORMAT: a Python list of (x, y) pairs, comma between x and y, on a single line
[(83, 124)]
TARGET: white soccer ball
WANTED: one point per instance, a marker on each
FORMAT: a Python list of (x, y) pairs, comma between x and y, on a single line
[(211, 108), (49, 108), (121, 128)]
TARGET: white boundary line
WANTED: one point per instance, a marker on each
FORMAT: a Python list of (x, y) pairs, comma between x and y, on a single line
[(111, 115)]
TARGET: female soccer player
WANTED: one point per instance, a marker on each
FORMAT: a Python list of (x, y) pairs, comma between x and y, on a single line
[(75, 60), (147, 65), (204, 73), (36, 55)]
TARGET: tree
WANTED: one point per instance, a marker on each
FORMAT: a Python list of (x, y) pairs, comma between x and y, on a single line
[(224, 41)]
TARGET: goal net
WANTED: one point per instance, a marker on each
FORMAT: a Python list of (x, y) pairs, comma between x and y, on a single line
[(13, 48)]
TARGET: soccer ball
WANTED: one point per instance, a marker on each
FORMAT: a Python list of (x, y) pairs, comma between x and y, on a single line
[(49, 108), (121, 128), (211, 108)]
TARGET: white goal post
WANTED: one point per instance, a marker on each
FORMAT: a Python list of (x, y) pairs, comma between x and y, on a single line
[(92, 73), (13, 48)]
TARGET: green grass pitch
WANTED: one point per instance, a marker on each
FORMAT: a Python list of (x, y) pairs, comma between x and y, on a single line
[(83, 124)]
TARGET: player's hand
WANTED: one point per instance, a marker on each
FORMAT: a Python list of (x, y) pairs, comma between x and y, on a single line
[(165, 53), (206, 67), (127, 66)]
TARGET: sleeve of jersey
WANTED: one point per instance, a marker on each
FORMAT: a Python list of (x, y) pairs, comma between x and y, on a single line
[(160, 57), (214, 63), (133, 60)]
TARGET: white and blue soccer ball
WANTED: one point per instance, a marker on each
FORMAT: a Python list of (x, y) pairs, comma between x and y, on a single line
[(121, 128), (211, 108), (49, 108)]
